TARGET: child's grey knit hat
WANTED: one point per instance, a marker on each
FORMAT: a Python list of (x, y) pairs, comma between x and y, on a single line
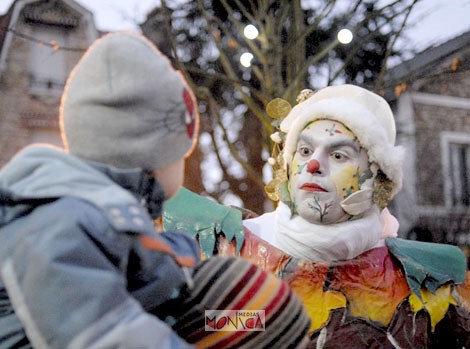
[(124, 105)]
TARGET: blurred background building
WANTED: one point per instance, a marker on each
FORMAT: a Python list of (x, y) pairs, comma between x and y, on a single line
[(40, 42), (431, 103)]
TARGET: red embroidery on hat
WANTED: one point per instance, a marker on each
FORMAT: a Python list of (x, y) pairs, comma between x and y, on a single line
[(189, 117)]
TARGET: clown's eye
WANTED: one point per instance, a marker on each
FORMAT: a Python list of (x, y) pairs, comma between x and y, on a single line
[(338, 156), (305, 151)]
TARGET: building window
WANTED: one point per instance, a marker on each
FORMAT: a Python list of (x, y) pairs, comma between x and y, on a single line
[(47, 62), (456, 162), (460, 168)]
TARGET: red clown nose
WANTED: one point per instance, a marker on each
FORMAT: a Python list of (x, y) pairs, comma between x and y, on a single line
[(313, 166)]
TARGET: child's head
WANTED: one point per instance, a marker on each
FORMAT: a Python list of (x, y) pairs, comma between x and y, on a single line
[(237, 290), (124, 105)]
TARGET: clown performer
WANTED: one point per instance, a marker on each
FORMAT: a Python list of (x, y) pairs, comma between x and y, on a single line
[(332, 237)]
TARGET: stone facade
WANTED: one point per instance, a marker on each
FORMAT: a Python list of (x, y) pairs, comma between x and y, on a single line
[(44, 40), (433, 123)]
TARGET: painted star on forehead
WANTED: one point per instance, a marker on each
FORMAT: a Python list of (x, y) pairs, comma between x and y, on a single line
[(332, 130)]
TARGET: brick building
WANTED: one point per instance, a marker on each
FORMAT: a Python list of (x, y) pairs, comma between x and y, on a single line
[(433, 121), (40, 42)]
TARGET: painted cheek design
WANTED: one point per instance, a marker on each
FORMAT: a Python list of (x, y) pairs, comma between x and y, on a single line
[(362, 176), (300, 168), (347, 182), (359, 177), (296, 167)]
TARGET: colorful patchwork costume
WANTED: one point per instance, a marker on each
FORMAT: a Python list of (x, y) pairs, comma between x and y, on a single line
[(407, 294)]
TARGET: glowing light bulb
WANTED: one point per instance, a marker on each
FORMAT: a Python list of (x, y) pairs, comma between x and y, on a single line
[(250, 32), (345, 36), (245, 59)]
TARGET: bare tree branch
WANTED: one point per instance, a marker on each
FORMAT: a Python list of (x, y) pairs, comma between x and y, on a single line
[(311, 61), (381, 77), (251, 173), (225, 61)]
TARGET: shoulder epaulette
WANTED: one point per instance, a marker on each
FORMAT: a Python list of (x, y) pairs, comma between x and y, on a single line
[(202, 218), (428, 265)]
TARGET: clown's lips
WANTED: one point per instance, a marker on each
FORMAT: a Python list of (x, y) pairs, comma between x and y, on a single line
[(313, 187)]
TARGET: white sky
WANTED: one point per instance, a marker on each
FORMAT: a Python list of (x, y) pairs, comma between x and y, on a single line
[(434, 21)]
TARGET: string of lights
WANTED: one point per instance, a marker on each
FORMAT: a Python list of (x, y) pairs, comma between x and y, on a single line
[(53, 44)]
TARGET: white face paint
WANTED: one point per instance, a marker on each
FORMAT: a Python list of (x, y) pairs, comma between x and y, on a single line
[(327, 167)]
